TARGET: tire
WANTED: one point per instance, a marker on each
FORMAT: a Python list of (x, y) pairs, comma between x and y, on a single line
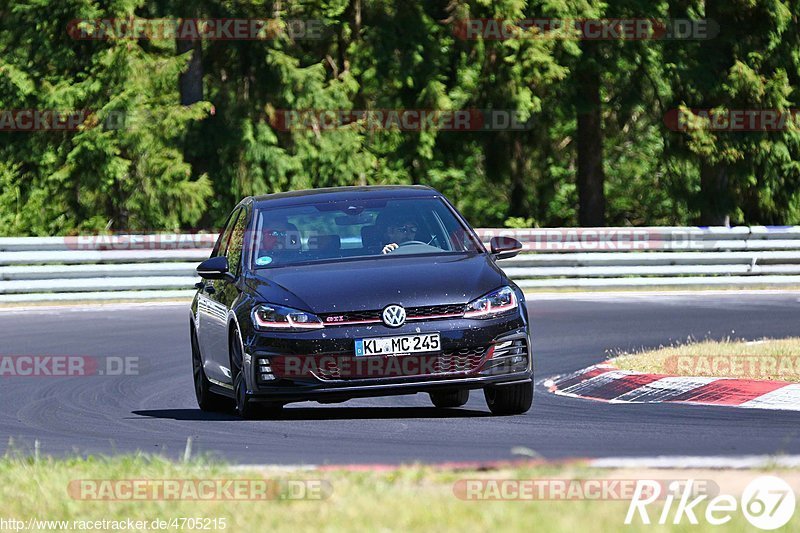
[(247, 408), (207, 401), (509, 399), (244, 407), (450, 398)]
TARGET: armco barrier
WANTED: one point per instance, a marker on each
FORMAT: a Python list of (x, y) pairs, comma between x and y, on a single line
[(162, 265)]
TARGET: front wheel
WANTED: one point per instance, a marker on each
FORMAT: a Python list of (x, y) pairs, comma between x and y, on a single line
[(509, 399), (245, 408), (454, 398), (249, 409)]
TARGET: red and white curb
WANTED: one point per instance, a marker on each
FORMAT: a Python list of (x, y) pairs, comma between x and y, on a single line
[(605, 382)]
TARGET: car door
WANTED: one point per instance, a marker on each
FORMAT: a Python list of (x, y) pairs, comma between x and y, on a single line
[(225, 293), (212, 315)]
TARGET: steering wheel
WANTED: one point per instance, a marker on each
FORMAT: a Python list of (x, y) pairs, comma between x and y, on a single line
[(412, 243)]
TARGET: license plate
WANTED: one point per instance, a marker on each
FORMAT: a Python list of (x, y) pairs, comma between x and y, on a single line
[(406, 344)]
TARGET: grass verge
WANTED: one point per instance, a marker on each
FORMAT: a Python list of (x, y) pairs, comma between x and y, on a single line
[(770, 359), (411, 498)]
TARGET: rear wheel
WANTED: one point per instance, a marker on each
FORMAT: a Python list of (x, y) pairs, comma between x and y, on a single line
[(450, 398), (509, 399), (206, 400)]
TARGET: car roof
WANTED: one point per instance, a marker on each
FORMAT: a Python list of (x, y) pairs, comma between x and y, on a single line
[(342, 194)]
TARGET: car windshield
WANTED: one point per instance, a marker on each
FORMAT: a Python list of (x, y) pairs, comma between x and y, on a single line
[(374, 228)]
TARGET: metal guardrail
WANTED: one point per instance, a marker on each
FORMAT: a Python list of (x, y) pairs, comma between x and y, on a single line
[(162, 265)]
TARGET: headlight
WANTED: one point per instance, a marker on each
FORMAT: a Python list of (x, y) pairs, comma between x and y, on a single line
[(269, 316), (495, 303)]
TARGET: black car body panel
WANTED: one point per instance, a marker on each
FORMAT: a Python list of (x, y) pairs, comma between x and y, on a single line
[(348, 295), (352, 285)]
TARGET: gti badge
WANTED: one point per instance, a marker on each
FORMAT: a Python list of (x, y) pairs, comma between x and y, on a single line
[(394, 316)]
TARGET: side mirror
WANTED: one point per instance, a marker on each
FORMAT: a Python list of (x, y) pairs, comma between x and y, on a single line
[(214, 268), (505, 247)]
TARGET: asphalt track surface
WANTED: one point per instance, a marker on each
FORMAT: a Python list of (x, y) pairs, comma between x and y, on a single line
[(155, 411)]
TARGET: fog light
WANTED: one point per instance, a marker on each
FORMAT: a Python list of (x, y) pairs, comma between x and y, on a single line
[(265, 370), (507, 357)]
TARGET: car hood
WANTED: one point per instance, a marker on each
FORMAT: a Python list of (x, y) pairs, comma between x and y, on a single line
[(371, 284)]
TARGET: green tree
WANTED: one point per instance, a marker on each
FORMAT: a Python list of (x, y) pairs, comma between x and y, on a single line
[(744, 177), (123, 168)]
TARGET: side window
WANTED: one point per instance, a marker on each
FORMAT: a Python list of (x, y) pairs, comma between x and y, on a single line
[(236, 244), (222, 243)]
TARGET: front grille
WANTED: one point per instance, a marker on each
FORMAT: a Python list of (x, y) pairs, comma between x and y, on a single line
[(334, 319), (413, 313), (503, 358), (435, 310), (464, 361), (329, 370)]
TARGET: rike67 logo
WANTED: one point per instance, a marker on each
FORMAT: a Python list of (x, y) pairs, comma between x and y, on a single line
[(767, 503)]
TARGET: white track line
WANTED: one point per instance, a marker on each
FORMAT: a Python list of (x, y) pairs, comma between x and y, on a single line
[(674, 462), (681, 462)]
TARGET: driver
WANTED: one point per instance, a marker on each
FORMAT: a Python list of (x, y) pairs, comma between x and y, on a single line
[(398, 230)]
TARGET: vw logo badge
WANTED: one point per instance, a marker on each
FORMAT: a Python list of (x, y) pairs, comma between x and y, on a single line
[(394, 316)]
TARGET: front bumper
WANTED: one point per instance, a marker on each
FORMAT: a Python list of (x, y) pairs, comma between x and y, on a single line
[(474, 354), (350, 391)]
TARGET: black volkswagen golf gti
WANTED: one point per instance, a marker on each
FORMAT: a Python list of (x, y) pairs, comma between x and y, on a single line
[(333, 294)]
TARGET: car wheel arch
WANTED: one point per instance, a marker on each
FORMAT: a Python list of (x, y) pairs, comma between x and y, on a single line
[(234, 328)]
